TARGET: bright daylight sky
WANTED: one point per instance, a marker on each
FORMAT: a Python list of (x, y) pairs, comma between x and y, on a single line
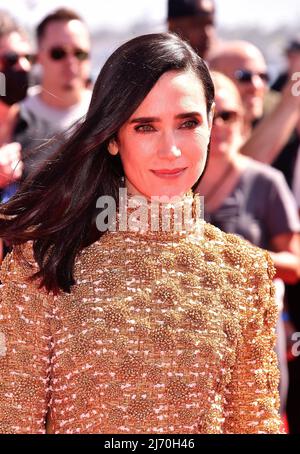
[(119, 14)]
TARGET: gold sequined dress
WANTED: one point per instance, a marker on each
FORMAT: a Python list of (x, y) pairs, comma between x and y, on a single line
[(163, 332)]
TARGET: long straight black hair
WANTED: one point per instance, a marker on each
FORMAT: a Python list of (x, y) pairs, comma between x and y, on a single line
[(56, 206)]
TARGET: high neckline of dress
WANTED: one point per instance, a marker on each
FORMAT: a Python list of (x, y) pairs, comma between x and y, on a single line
[(159, 218)]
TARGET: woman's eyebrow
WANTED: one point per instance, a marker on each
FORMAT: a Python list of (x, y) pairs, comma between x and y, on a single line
[(156, 119), (188, 115), (144, 120)]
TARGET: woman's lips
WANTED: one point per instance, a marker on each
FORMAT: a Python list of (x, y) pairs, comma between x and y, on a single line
[(169, 173)]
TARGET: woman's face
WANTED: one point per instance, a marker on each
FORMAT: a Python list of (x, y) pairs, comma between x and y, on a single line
[(163, 145), (226, 134)]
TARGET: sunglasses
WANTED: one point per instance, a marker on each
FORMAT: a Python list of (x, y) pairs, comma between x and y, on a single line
[(10, 59), (243, 75), (227, 116), (59, 53)]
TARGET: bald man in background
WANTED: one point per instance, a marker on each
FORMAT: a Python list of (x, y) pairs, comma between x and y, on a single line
[(270, 118), (242, 62)]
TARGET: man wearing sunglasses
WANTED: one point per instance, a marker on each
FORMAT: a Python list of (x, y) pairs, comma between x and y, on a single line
[(245, 65), (270, 118), (63, 55)]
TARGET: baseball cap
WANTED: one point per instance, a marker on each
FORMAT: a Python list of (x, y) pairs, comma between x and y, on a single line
[(182, 8)]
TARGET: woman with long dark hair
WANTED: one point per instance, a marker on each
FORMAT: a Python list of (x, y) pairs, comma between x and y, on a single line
[(118, 318)]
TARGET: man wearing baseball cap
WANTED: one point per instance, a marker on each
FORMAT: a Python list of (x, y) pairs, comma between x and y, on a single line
[(194, 21)]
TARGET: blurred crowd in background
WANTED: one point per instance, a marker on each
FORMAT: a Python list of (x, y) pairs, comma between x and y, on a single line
[(252, 182)]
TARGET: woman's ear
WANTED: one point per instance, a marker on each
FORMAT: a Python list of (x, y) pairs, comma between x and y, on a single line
[(113, 147), (211, 115)]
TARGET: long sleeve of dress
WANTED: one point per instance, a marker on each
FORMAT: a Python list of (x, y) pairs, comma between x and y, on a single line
[(25, 345), (252, 397)]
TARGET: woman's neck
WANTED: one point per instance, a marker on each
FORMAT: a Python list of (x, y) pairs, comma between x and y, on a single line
[(156, 219)]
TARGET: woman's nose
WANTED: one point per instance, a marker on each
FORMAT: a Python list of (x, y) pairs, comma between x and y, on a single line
[(168, 148)]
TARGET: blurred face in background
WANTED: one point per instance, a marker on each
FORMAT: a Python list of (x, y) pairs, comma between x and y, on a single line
[(245, 65), (227, 130), (64, 55), (199, 29), (251, 79), (15, 65), (17, 46)]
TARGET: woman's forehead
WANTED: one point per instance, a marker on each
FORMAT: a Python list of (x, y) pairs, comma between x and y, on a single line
[(175, 89), (181, 81)]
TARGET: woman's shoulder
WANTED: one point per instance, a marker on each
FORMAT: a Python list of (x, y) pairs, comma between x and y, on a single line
[(237, 252), (247, 275)]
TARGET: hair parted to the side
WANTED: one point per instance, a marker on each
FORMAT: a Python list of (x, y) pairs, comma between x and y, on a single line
[(56, 206)]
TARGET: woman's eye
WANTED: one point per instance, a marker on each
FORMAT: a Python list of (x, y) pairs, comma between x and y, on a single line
[(190, 124), (144, 128)]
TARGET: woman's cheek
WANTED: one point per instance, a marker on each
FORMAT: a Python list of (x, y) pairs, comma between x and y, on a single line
[(203, 137), (145, 146), (202, 146)]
